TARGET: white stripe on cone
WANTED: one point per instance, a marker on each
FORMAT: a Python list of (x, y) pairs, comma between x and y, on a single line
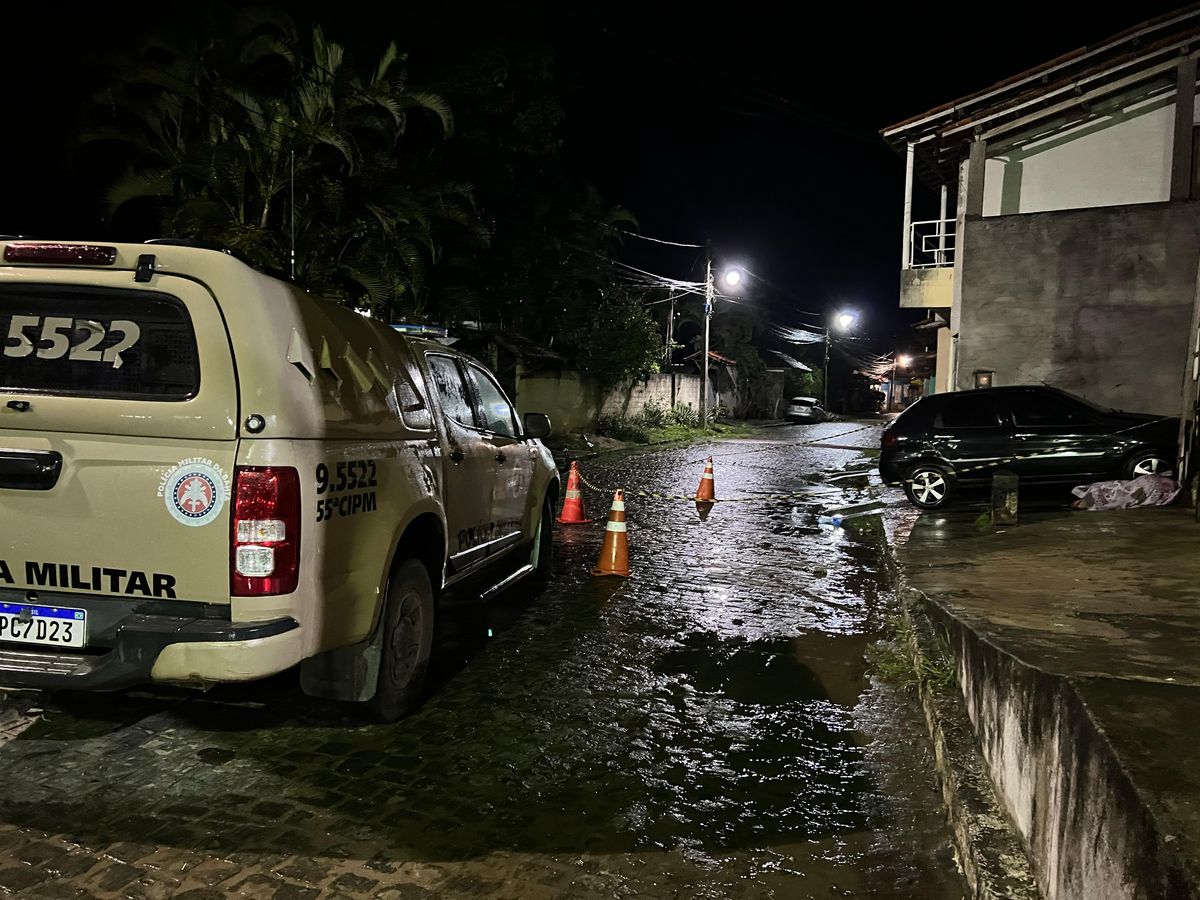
[(619, 505), (615, 526)]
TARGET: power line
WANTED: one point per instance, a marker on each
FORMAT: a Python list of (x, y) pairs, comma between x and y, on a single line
[(645, 237)]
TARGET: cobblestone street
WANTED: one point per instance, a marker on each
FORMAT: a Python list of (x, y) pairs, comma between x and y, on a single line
[(705, 729)]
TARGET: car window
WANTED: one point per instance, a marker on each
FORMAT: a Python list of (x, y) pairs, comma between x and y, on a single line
[(968, 412), (1036, 408), (497, 412), (96, 342), (920, 414), (452, 389)]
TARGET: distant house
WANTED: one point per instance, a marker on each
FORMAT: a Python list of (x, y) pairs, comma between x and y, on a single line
[(1064, 248)]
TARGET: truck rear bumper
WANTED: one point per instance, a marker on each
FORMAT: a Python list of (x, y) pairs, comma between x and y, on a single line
[(160, 648)]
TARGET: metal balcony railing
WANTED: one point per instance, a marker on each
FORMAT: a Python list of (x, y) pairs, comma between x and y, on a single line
[(931, 244)]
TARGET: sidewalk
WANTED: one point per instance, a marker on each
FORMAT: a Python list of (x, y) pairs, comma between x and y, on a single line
[(1077, 644)]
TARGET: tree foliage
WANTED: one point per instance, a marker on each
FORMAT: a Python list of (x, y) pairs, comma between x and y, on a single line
[(548, 272), (259, 137), (259, 134), (617, 339)]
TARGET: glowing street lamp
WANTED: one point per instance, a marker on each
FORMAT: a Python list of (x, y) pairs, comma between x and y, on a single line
[(843, 320), (901, 361), (732, 278)]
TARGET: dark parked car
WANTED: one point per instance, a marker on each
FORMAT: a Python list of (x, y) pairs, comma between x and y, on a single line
[(1042, 434)]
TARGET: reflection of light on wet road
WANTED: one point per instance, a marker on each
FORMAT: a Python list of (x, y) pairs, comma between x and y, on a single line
[(696, 730)]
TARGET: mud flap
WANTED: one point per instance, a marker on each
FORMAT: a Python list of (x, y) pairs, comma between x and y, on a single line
[(349, 673)]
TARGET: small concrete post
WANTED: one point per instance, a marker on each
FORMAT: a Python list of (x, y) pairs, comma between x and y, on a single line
[(906, 244), (1004, 498)]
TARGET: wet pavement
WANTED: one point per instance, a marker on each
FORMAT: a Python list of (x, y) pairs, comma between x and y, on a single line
[(704, 729)]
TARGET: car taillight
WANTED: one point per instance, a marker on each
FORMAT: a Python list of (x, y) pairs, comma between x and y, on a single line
[(889, 439), (71, 254), (264, 551)]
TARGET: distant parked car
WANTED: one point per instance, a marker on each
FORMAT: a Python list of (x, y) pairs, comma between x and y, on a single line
[(1042, 434), (806, 409)]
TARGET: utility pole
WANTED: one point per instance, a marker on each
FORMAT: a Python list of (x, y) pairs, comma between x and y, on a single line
[(825, 377), (708, 305), (670, 351)]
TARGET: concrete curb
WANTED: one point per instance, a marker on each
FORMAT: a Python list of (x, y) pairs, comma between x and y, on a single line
[(1092, 833), (990, 853)]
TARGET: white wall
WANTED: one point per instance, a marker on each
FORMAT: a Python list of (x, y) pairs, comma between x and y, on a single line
[(570, 400), (1122, 157)]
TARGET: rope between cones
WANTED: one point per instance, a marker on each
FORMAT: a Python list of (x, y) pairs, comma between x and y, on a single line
[(799, 495)]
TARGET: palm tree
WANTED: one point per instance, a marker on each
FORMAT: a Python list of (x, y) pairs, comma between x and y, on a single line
[(264, 143)]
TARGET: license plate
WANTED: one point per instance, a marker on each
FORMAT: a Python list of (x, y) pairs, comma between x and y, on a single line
[(51, 626)]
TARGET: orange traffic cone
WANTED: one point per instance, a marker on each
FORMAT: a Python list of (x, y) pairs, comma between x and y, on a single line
[(572, 508), (614, 553), (706, 490)]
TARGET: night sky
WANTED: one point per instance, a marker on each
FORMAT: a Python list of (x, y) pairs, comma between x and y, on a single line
[(740, 124)]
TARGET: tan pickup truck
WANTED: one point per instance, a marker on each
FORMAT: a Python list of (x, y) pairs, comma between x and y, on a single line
[(208, 475)]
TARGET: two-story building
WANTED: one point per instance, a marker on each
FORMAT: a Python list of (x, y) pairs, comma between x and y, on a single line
[(1066, 236)]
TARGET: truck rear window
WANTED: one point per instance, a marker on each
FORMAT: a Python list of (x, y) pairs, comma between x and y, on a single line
[(96, 342)]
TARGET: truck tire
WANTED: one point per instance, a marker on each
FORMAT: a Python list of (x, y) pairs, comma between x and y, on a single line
[(541, 554), (407, 642)]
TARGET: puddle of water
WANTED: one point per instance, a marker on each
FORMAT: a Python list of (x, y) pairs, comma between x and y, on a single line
[(699, 726)]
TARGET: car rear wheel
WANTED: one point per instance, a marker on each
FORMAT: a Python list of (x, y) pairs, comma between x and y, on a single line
[(407, 642), (1148, 463), (928, 487), (541, 556)]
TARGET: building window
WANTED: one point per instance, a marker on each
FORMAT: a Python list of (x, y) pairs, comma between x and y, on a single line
[(983, 379)]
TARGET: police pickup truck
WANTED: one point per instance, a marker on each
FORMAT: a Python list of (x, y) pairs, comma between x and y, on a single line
[(208, 475)]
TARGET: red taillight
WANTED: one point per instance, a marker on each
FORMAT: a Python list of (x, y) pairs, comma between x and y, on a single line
[(71, 254), (889, 439), (264, 552)]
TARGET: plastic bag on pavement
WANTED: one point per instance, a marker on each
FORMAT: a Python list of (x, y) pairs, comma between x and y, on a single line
[(1145, 490)]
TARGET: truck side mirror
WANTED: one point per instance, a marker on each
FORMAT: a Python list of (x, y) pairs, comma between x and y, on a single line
[(537, 425)]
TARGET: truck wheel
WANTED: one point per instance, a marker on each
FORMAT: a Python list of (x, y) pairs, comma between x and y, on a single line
[(407, 642), (541, 556)]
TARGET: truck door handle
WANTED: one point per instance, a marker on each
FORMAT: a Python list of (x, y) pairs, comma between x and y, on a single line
[(29, 470), (499, 457), (457, 456)]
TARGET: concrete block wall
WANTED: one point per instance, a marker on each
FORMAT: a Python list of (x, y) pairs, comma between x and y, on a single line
[(1094, 301), (631, 398)]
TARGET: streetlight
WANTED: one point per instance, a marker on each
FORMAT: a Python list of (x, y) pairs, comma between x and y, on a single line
[(902, 360), (843, 320), (731, 278)]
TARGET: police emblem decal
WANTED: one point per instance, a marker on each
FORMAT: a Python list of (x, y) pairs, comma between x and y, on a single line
[(194, 492)]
